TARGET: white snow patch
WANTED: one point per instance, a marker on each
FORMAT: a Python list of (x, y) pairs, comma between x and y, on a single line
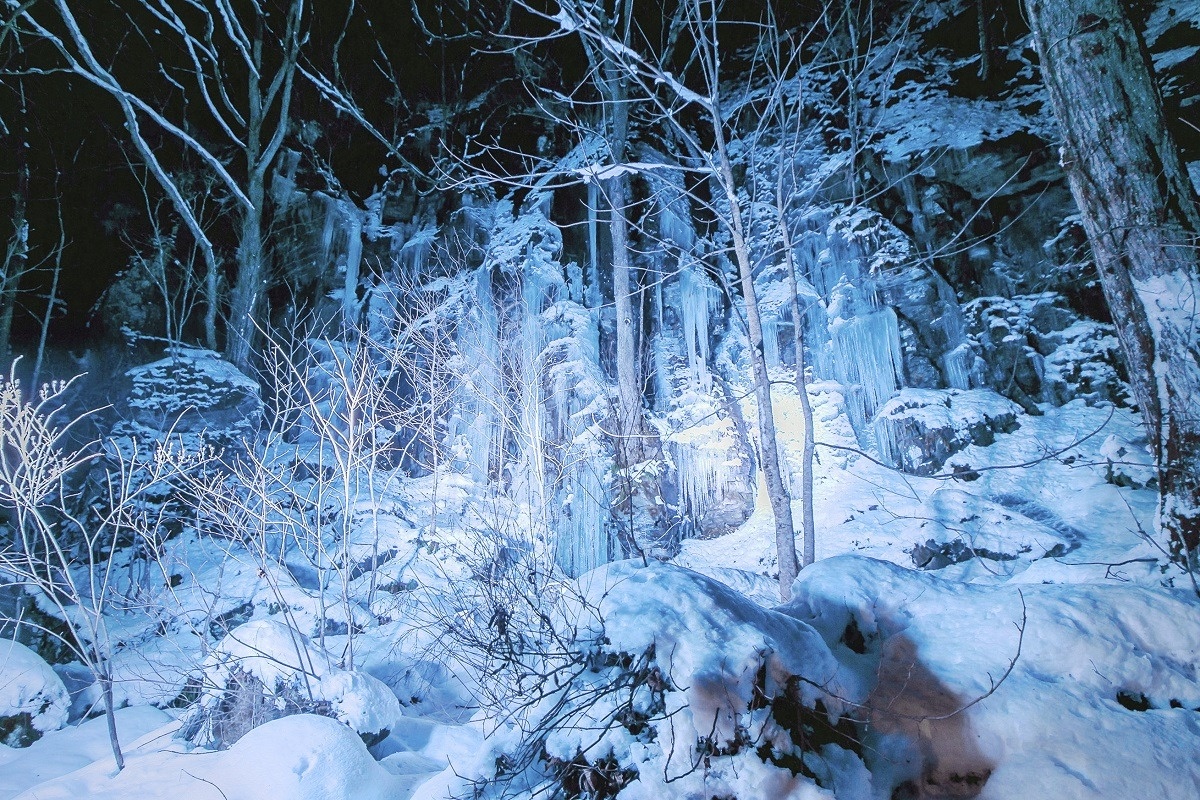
[(29, 686)]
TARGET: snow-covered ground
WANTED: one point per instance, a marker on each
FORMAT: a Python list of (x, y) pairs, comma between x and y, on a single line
[(1012, 632)]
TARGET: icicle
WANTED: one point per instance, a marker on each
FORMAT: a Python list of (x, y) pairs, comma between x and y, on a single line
[(710, 472), (583, 538), (699, 472), (697, 298), (480, 347), (414, 255), (331, 226), (770, 332), (354, 248), (868, 360), (957, 366)]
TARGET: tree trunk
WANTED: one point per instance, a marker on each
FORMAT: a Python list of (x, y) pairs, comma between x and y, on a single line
[(1140, 213), (807, 519), (110, 713), (248, 289), (777, 490), (629, 393), (628, 381), (16, 260)]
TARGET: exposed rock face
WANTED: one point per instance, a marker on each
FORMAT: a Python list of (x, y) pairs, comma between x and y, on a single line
[(1033, 349), (920, 429)]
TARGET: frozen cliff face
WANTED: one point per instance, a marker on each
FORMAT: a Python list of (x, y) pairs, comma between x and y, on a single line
[(530, 396), (713, 474)]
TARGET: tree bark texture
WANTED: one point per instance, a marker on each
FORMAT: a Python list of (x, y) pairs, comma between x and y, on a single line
[(629, 392), (1139, 211)]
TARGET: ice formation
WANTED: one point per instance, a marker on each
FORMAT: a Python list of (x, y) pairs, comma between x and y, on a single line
[(698, 297), (530, 353), (867, 360)]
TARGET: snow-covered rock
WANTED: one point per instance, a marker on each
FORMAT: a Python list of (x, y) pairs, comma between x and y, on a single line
[(919, 429), (264, 670), (193, 395), (962, 526), (1129, 462), (1033, 349), (33, 699)]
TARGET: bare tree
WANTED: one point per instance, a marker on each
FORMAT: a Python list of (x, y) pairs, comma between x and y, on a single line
[(240, 63), (16, 252), (674, 102), (61, 544), (1141, 217)]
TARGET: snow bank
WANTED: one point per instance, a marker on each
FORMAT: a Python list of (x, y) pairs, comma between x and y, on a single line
[(1100, 702), (78, 747), (264, 669), (33, 699)]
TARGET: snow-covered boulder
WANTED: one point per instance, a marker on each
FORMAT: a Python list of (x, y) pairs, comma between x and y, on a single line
[(919, 429), (33, 699), (264, 670), (193, 395)]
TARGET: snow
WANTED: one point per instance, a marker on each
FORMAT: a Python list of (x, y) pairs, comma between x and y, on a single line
[(1057, 721), (29, 686), (286, 663), (302, 757), (81, 747)]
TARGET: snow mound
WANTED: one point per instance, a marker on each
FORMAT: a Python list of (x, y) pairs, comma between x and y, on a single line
[(1081, 690), (264, 670), (33, 699), (961, 526), (301, 757)]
